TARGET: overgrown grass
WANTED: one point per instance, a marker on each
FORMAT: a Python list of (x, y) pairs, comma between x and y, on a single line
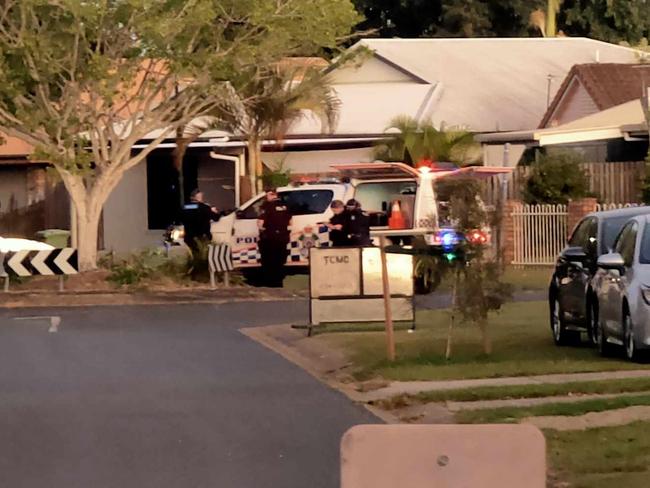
[(521, 279), (513, 414), (521, 391), (137, 267), (603, 457), (521, 338)]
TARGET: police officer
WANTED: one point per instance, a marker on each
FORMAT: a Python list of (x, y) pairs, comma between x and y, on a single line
[(197, 216), (273, 223), (338, 237), (357, 224)]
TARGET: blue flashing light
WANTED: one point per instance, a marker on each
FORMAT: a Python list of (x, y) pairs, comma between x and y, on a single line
[(448, 238)]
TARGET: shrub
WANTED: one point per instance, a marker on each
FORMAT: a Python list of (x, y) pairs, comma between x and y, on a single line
[(136, 267), (556, 178), (276, 177)]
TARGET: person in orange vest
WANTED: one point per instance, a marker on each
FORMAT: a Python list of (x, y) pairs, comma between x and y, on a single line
[(357, 224)]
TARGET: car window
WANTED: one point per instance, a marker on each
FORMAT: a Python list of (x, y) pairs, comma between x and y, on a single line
[(253, 210), (300, 202), (307, 202), (626, 241), (610, 229), (644, 252), (580, 236)]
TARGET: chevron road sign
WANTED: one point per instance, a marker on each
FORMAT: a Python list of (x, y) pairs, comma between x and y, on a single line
[(51, 262), (220, 260)]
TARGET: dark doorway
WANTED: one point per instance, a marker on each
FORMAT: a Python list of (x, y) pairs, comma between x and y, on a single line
[(214, 177)]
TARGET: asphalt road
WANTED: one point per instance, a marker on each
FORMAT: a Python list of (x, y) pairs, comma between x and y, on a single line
[(162, 397)]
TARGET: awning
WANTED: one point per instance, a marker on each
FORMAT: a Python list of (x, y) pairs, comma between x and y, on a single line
[(614, 123), (479, 172), (377, 171)]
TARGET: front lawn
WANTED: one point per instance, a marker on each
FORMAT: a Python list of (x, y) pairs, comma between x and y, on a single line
[(542, 390), (573, 409), (601, 458), (522, 346)]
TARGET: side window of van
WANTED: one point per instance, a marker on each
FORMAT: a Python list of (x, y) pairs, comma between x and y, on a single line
[(300, 202), (307, 202)]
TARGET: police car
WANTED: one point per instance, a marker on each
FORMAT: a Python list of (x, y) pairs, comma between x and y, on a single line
[(377, 186)]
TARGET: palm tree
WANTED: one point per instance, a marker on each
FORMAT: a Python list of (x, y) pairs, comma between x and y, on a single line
[(414, 142), (265, 107)]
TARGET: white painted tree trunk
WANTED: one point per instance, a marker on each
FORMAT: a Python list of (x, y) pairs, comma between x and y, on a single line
[(88, 203)]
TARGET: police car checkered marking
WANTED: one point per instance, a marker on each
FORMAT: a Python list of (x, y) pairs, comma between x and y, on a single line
[(298, 249)]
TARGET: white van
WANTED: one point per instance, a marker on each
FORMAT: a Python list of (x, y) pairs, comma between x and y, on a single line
[(375, 185)]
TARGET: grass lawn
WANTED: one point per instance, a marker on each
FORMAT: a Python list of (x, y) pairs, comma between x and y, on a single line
[(513, 414), (522, 279), (522, 346), (521, 391), (602, 458)]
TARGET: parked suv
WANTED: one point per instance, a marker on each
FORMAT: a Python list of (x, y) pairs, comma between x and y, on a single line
[(570, 292)]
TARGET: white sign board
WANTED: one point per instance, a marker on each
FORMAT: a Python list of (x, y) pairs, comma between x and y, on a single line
[(335, 272), (360, 310), (346, 285), (400, 273)]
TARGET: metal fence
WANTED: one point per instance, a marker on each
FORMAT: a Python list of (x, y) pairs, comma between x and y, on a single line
[(540, 233)]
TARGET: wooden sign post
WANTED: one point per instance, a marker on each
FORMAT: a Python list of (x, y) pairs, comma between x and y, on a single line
[(390, 336)]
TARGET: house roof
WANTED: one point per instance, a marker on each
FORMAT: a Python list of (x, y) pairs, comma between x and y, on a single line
[(612, 123), (608, 84), (485, 84), (368, 109)]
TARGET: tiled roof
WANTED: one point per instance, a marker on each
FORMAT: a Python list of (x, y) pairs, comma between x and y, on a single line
[(608, 84)]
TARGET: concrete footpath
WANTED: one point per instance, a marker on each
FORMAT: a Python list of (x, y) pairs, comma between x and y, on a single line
[(396, 388)]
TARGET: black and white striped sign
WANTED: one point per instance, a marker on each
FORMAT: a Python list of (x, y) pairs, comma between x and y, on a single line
[(220, 258), (51, 262)]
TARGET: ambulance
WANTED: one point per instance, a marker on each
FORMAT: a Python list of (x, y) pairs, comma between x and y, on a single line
[(380, 188)]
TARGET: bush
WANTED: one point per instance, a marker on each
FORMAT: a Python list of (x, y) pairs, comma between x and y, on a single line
[(556, 178), (276, 177), (136, 267)]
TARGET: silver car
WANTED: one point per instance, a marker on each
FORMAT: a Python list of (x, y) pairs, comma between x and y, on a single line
[(622, 289)]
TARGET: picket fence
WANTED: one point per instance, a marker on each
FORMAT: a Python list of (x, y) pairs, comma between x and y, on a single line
[(541, 231)]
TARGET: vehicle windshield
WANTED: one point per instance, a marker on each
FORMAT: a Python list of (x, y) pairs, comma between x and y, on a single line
[(611, 228), (644, 252)]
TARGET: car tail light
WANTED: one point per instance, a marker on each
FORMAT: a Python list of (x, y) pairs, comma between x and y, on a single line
[(477, 237)]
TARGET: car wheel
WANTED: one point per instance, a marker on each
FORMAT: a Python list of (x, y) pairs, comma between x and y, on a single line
[(561, 336), (593, 322), (631, 351)]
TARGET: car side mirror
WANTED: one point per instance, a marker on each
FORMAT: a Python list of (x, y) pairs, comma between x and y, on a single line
[(574, 254), (612, 260), (240, 214)]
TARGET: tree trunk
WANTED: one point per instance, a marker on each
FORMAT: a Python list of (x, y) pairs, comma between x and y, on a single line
[(182, 143), (88, 226), (255, 166), (88, 203)]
